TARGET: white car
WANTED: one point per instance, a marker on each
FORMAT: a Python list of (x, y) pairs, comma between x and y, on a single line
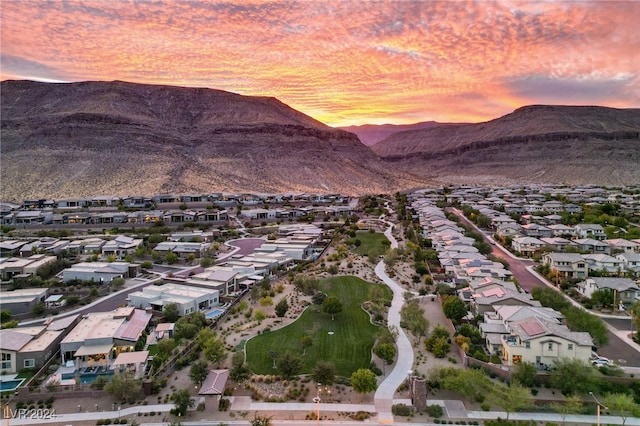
[(600, 361)]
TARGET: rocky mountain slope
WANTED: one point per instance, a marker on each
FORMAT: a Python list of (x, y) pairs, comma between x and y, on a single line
[(371, 134), (567, 144), (116, 138), (91, 138)]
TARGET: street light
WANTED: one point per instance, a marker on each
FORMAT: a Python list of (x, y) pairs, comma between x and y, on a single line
[(317, 401), (599, 404)]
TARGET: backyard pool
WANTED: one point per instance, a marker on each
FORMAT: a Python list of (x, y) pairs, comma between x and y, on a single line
[(88, 377), (214, 313), (9, 385)]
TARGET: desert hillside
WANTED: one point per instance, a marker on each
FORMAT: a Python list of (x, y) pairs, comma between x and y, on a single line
[(81, 139)]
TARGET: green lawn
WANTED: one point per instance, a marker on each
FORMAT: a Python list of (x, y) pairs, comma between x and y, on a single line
[(369, 240), (348, 348)]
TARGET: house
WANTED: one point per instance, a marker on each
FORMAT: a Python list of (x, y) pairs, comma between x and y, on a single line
[(630, 262), (509, 230), (603, 262), (527, 245), (22, 301), (100, 272), (222, 279), (625, 289), (188, 299), (589, 230), (536, 231), (541, 341), (486, 302), (568, 265), (622, 245), (100, 337), (557, 243), (121, 247), (20, 266), (560, 230), (591, 245), (31, 347), (182, 249)]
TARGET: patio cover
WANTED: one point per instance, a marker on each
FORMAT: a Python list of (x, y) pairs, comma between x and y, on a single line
[(93, 349), (214, 383), (128, 358)]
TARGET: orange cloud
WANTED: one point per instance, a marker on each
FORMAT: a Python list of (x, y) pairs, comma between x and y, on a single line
[(345, 62)]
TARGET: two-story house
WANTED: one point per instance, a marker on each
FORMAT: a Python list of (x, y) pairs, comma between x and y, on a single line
[(567, 265), (590, 230)]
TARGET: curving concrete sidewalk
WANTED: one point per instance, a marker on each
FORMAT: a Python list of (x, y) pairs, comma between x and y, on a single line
[(383, 398)]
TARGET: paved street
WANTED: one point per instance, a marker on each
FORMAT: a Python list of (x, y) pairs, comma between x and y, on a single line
[(623, 351)]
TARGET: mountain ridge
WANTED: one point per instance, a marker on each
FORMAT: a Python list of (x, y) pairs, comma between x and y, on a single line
[(119, 138)]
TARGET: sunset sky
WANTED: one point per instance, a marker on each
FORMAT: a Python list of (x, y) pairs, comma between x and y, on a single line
[(342, 62)]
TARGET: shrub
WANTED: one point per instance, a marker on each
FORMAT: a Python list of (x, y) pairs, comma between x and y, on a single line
[(435, 411), (401, 410)]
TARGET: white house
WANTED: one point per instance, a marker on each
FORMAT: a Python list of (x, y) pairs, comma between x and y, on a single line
[(626, 290)]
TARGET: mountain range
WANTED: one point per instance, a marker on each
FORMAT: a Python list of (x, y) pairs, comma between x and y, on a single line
[(94, 138)]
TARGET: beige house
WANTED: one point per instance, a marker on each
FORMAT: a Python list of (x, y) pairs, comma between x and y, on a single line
[(568, 265), (542, 341)]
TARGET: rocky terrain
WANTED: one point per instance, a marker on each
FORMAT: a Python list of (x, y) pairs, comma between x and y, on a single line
[(117, 138), (371, 134), (561, 144), (91, 138)]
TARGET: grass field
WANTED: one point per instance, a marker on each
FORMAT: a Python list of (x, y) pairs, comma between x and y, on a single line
[(371, 240), (348, 348)]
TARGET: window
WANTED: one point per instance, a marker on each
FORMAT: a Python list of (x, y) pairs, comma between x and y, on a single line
[(527, 345), (29, 363), (570, 346), (6, 361), (550, 346)]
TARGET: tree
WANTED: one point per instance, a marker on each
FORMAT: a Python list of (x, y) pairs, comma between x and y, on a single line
[(602, 298), (259, 315), (198, 372), (438, 333), (386, 352), (166, 346), (332, 305), (441, 347), (5, 316), (412, 318), (282, 307), (363, 381), (525, 373), (182, 400), (454, 308), (324, 373), (123, 387), (511, 398), (473, 383), (289, 365), (622, 404), (239, 370), (214, 350), (572, 405), (171, 312), (572, 376), (171, 258), (306, 341), (117, 282), (39, 308), (205, 262)]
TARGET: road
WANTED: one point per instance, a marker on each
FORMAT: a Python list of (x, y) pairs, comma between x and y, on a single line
[(617, 349)]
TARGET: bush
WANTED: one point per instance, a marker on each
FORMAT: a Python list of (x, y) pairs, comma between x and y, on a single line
[(401, 410), (435, 411)]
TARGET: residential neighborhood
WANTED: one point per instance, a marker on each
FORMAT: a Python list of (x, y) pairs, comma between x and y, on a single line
[(178, 269)]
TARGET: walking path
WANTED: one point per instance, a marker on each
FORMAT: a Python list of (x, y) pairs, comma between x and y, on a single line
[(383, 398)]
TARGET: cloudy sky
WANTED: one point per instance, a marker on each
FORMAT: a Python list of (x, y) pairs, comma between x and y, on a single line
[(342, 62)]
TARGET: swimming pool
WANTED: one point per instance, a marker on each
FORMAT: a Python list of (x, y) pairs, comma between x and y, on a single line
[(9, 385), (88, 377), (214, 313)]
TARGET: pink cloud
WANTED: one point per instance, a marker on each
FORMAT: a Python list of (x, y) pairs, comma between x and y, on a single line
[(346, 62)]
